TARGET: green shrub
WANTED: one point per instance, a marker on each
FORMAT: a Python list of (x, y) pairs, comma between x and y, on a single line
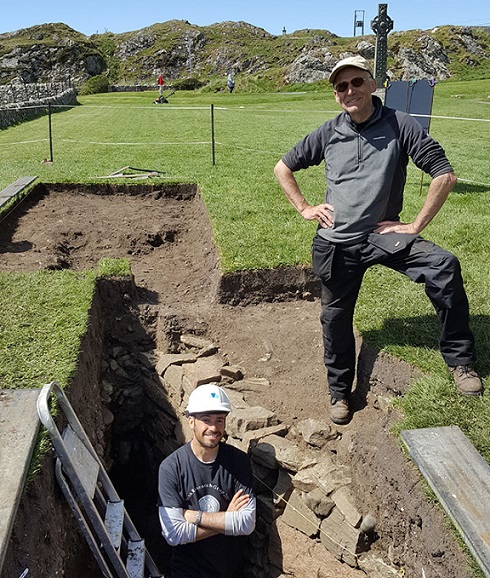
[(187, 84), (95, 85)]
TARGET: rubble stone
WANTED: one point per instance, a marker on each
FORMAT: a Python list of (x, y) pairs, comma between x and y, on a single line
[(318, 502), (249, 418), (339, 537), (324, 475), (204, 370), (344, 501), (283, 452), (316, 432), (297, 515), (167, 359), (251, 437), (237, 401), (251, 384), (195, 341), (231, 371)]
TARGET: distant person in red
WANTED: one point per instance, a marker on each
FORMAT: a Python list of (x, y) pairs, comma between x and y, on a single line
[(161, 82)]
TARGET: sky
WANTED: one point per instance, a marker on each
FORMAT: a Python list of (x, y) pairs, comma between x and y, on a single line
[(98, 16)]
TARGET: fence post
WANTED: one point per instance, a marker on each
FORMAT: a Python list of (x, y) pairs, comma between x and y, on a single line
[(212, 135), (50, 134)]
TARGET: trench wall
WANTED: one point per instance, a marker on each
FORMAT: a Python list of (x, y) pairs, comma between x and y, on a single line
[(125, 414), (45, 538)]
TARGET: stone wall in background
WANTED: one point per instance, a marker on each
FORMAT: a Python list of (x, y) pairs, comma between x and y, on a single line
[(33, 102)]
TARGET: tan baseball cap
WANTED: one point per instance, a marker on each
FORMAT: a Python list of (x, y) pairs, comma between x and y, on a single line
[(355, 61)]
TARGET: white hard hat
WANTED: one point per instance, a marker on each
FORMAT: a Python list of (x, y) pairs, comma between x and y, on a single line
[(208, 398)]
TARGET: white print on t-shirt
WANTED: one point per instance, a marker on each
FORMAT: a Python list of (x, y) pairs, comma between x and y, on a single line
[(208, 504), (211, 486)]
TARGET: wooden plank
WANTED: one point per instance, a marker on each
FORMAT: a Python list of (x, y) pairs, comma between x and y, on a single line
[(19, 426), (460, 478), (15, 188)]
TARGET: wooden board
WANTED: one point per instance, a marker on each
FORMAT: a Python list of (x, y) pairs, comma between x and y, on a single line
[(19, 426), (460, 478), (15, 188)]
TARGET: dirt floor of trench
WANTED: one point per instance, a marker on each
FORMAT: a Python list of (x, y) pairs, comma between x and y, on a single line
[(166, 235)]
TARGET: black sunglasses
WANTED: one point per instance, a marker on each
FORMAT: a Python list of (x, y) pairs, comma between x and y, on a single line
[(344, 85)]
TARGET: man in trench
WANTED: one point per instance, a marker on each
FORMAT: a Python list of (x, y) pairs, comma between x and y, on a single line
[(366, 150), (206, 502)]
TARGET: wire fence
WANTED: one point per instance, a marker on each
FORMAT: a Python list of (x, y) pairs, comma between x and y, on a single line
[(217, 129)]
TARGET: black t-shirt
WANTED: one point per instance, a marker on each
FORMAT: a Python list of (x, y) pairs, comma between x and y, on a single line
[(186, 482)]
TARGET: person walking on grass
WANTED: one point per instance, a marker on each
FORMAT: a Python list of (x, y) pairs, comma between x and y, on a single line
[(206, 502), (366, 150), (230, 82)]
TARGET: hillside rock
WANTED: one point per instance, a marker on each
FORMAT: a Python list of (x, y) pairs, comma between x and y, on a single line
[(311, 66), (430, 61), (366, 49), (178, 49), (49, 53)]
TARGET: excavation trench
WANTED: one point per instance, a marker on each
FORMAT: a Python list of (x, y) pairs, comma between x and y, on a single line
[(264, 322)]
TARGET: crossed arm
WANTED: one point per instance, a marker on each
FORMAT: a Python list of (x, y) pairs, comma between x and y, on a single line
[(178, 525)]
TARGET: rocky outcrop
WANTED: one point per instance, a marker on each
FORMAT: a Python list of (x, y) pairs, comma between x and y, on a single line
[(179, 50), (311, 66), (428, 61), (49, 56)]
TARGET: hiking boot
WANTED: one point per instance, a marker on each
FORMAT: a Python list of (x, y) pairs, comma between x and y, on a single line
[(466, 379), (339, 411)]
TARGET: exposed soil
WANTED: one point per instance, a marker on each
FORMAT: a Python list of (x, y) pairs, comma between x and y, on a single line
[(166, 235)]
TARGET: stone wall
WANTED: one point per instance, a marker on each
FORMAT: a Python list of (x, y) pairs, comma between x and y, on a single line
[(131, 87), (16, 92), (11, 114), (302, 484)]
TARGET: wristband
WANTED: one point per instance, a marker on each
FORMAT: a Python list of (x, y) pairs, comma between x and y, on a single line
[(198, 519)]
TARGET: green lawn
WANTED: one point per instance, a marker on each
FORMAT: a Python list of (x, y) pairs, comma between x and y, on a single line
[(253, 225)]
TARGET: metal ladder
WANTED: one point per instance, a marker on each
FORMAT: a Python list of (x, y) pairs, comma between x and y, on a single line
[(100, 513)]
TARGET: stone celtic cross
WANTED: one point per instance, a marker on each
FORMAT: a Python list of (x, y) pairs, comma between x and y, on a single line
[(382, 25)]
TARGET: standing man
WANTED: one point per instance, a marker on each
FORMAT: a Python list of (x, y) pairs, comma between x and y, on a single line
[(207, 506), (366, 150), (161, 82)]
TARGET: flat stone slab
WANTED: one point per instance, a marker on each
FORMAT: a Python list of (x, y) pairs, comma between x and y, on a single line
[(19, 427), (460, 478)]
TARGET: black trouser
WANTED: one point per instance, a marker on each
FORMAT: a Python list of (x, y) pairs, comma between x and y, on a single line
[(341, 269)]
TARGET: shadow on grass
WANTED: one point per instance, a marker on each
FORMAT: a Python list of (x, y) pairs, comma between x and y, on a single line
[(420, 332), (463, 187)]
